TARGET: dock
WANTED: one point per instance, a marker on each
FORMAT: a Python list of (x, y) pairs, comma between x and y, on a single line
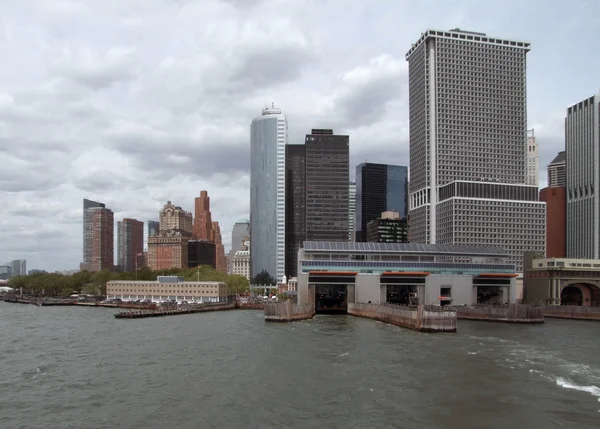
[(201, 308)]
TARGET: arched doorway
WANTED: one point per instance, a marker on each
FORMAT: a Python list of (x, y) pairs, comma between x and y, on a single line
[(580, 294)]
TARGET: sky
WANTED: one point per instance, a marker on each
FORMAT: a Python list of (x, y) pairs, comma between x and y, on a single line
[(133, 103)]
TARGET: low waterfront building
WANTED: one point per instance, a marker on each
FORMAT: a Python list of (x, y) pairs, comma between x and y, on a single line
[(333, 274), (167, 288), (562, 281)]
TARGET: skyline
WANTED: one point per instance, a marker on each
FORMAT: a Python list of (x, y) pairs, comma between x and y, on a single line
[(95, 107)]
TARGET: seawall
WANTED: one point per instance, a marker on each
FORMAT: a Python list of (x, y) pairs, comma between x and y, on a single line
[(510, 313), (572, 312), (421, 318), (288, 312)]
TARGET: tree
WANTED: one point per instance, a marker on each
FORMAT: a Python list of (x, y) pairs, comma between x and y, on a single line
[(263, 278), (238, 284)]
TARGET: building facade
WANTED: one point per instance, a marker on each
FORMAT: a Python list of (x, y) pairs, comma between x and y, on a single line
[(582, 139), (327, 178), (98, 237), (168, 250), (334, 274), (239, 234), (153, 228), (556, 220), (203, 217), (533, 160), (557, 173), (220, 261), (268, 138), (241, 261), (295, 205), (19, 267), (201, 252), (468, 140), (390, 227), (351, 210), (167, 289), (174, 218), (379, 188), (130, 244)]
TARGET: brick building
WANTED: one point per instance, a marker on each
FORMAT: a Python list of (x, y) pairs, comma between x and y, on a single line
[(556, 220)]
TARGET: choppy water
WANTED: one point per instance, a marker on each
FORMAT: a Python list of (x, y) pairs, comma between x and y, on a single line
[(81, 368)]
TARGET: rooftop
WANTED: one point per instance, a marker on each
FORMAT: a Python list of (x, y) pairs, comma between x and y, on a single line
[(560, 158), (450, 249)]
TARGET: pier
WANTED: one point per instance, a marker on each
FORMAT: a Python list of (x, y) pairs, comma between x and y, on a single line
[(507, 313), (422, 318), (177, 311), (572, 312), (288, 312)]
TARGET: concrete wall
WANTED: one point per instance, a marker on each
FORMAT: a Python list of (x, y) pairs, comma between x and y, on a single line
[(536, 290), (461, 289), (368, 289)]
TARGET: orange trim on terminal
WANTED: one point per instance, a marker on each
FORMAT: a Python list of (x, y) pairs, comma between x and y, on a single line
[(405, 273), (497, 275), (333, 273)]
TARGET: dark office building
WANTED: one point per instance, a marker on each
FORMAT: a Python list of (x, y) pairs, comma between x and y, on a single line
[(387, 230), (379, 188), (327, 191), (295, 205), (201, 252), (153, 228)]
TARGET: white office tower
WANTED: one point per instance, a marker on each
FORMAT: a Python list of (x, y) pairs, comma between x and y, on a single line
[(533, 160), (582, 144), (468, 135), (351, 210), (268, 137)]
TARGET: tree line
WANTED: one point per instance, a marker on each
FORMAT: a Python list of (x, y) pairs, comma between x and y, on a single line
[(84, 282)]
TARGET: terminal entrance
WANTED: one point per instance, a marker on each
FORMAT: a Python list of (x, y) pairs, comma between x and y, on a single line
[(331, 299), (400, 294)]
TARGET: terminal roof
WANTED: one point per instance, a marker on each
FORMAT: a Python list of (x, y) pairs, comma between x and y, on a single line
[(450, 249)]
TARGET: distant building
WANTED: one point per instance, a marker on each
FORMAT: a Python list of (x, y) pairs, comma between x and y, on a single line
[(582, 139), (19, 267), (556, 220), (5, 272), (557, 174), (533, 159), (98, 237), (221, 262), (153, 228), (203, 217), (239, 234), (130, 244), (379, 188), (241, 261), (389, 228), (166, 289), (169, 249), (201, 252), (268, 137), (351, 211), (295, 204)]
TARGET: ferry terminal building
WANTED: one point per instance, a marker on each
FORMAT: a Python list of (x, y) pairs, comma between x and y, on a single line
[(333, 274)]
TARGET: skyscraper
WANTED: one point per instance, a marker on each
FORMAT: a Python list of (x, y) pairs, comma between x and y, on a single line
[(351, 210), (468, 135), (295, 205), (268, 137), (239, 233), (175, 218), (533, 159), (98, 237), (220, 262), (169, 249), (19, 267), (130, 244), (582, 139), (379, 188), (153, 228), (327, 178), (203, 217), (557, 174)]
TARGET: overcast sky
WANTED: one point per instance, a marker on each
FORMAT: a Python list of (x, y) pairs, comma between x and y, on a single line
[(136, 102)]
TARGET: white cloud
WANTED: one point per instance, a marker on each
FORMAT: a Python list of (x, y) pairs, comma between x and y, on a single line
[(137, 102)]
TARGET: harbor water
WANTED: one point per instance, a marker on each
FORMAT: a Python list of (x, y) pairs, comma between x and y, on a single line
[(71, 367)]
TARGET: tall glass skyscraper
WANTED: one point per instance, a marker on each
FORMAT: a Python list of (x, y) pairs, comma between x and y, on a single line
[(268, 137), (379, 188)]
